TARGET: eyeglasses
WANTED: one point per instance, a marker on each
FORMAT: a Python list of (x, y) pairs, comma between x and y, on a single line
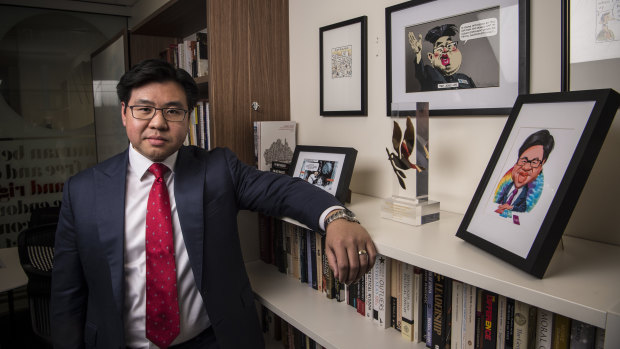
[(534, 163), (144, 112), (449, 46)]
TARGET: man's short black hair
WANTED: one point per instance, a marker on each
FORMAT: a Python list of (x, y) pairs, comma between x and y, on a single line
[(439, 31), (542, 137), (155, 70)]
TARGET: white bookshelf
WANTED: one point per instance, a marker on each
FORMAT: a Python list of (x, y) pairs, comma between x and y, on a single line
[(582, 281)]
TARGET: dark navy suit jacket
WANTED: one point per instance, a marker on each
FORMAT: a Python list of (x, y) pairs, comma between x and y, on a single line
[(210, 188)]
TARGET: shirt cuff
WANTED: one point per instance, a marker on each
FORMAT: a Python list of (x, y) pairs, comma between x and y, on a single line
[(325, 213)]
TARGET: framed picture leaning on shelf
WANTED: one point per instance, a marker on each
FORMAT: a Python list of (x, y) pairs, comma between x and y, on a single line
[(329, 168), (344, 68), (463, 57), (536, 173)]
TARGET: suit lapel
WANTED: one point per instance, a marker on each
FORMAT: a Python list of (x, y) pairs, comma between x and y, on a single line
[(110, 179), (189, 182)]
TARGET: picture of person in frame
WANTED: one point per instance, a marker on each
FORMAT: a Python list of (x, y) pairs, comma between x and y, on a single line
[(521, 186), (445, 60)]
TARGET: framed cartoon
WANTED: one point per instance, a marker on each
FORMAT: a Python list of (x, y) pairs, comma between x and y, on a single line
[(536, 173), (329, 168), (590, 44), (463, 57), (344, 68)]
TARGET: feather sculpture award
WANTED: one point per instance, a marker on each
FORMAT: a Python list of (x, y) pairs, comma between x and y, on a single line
[(409, 202)]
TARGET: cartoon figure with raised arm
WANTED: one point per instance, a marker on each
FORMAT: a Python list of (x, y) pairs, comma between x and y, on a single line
[(445, 60), (521, 186)]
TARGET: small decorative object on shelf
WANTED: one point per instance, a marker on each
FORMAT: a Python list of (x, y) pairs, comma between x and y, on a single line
[(406, 205)]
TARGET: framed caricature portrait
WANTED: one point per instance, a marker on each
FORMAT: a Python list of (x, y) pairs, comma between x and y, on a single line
[(329, 168), (463, 57), (536, 174)]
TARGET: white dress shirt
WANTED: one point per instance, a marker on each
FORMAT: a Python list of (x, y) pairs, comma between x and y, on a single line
[(193, 315)]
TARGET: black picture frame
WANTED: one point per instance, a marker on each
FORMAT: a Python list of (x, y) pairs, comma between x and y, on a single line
[(578, 121), (343, 64), (511, 60), (589, 59), (334, 164)]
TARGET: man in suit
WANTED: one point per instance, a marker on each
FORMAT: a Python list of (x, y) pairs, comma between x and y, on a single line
[(106, 267)]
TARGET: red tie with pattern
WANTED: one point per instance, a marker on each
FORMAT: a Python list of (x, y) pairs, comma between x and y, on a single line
[(162, 307)]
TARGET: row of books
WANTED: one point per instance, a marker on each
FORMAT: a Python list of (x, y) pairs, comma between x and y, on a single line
[(191, 54), (277, 329), (423, 306), (199, 129)]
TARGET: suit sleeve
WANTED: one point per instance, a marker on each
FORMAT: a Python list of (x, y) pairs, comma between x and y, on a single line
[(278, 195), (69, 290)]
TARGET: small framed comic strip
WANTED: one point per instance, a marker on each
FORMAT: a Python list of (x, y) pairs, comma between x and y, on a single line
[(329, 168), (463, 57), (344, 68), (536, 174)]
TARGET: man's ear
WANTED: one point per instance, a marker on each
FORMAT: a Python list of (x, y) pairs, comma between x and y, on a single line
[(123, 113), (430, 56)]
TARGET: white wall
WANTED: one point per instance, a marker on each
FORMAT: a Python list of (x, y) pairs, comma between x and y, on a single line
[(461, 146)]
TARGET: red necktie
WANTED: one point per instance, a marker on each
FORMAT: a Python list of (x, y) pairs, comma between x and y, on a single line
[(162, 307)]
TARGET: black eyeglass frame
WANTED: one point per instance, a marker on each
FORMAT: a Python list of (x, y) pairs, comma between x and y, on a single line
[(163, 112)]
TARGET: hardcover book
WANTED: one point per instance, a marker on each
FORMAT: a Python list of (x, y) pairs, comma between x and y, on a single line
[(274, 141), (428, 306), (442, 299), (417, 304), (369, 293), (521, 325), (457, 315), (582, 335), (510, 314), (501, 322), (488, 335), (561, 332), (469, 316)]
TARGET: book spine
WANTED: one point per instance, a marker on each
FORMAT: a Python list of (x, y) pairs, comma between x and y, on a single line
[(521, 326), (582, 335), (429, 276), (407, 306), (469, 317), (457, 315), (328, 275), (510, 314), (295, 252), (501, 322), (319, 261), (312, 280), (360, 302), (303, 255), (395, 311), (381, 291), (544, 329), (288, 246), (532, 321), (369, 293), (417, 304), (441, 311), (561, 332), (489, 333)]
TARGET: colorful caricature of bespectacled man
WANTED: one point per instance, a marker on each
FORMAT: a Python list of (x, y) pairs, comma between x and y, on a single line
[(521, 187)]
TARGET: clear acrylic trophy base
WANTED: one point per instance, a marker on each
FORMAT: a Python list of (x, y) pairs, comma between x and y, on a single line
[(411, 211)]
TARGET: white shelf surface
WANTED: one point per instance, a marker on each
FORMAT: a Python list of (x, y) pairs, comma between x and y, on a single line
[(581, 282), (330, 323)]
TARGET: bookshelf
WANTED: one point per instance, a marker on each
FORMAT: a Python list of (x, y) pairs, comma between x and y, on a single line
[(582, 281), (242, 38)]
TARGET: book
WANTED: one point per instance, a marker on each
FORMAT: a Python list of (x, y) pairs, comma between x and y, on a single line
[(311, 246), (428, 308), (468, 330), (320, 240), (561, 332), (509, 331), (328, 275), (442, 299), (417, 304), (488, 335), (407, 302), (295, 235), (274, 141), (457, 315), (395, 298), (369, 294), (381, 291), (288, 246), (501, 322), (532, 322), (582, 335), (202, 52), (360, 301), (544, 329), (599, 341), (303, 255)]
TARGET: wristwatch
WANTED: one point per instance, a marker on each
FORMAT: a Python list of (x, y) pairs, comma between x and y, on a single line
[(341, 214)]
